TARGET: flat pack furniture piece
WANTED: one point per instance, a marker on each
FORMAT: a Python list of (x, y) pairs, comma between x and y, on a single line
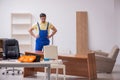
[(51, 52), (105, 61), (1, 50), (77, 65), (82, 32), (5, 63)]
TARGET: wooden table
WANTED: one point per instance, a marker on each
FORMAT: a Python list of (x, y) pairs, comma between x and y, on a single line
[(77, 65)]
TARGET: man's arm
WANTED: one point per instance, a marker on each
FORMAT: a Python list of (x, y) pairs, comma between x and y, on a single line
[(54, 30), (31, 32)]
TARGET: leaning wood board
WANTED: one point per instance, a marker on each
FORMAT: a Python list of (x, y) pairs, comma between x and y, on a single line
[(81, 32)]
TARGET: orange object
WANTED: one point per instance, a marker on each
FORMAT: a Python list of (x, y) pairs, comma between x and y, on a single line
[(27, 58)]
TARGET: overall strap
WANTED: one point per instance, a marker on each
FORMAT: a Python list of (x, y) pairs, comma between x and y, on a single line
[(47, 25), (38, 25)]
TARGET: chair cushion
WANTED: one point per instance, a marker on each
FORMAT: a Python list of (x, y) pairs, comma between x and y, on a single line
[(10, 42), (11, 54), (114, 52), (12, 48)]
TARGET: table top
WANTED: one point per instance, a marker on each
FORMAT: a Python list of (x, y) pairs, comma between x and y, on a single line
[(15, 63), (82, 56)]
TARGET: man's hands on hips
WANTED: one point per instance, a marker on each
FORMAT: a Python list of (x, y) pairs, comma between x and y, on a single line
[(36, 36), (54, 30), (49, 36)]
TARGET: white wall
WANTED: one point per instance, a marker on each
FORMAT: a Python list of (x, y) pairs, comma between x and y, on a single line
[(62, 14), (117, 17), (117, 23)]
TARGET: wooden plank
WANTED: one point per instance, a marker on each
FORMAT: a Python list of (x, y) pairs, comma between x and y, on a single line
[(81, 32), (29, 72), (91, 66)]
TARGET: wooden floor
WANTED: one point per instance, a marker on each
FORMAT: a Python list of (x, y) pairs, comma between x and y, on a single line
[(40, 76)]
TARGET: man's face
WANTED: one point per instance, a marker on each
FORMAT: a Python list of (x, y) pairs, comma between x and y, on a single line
[(43, 19)]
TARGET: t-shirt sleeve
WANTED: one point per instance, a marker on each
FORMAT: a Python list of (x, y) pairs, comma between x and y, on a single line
[(51, 26), (34, 26)]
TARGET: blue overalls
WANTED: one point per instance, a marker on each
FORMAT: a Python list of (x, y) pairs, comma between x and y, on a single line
[(42, 40)]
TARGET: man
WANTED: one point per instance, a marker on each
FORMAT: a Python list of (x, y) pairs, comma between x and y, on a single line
[(43, 32)]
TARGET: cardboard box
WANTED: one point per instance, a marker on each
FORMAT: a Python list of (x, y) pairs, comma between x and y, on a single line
[(1, 50)]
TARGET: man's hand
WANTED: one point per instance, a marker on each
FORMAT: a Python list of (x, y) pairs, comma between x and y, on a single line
[(31, 33), (36, 36), (53, 33), (49, 36)]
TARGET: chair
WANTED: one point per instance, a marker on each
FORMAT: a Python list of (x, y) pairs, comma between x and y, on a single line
[(51, 52), (105, 61), (11, 51)]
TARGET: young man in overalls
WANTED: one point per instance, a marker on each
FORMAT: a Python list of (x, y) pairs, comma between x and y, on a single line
[(42, 36)]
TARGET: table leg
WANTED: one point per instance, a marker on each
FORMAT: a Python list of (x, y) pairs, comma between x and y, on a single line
[(29, 72), (48, 73)]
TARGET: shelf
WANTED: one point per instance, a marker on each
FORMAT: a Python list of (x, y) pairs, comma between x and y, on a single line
[(24, 44), (20, 23), (20, 29), (20, 34), (24, 48), (23, 39), (21, 14), (21, 20)]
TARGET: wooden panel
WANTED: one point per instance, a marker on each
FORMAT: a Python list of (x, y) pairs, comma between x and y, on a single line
[(92, 67), (81, 32), (74, 66), (29, 72)]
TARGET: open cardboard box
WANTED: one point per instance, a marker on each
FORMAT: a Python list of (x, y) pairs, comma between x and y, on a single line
[(1, 50)]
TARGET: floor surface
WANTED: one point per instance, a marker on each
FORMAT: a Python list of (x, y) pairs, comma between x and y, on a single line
[(115, 75)]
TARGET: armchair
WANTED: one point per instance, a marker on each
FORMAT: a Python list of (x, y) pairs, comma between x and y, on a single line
[(105, 61)]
